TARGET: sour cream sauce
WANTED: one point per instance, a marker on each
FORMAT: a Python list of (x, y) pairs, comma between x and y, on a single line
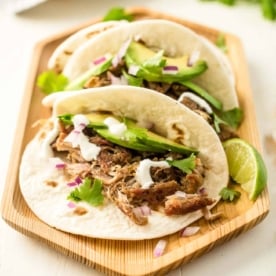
[(89, 151), (115, 127), (202, 103), (143, 175)]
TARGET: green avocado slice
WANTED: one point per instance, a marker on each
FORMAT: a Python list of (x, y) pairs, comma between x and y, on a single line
[(151, 64), (134, 137)]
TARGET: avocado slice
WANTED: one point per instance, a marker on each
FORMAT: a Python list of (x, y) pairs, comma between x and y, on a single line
[(136, 137), (151, 64), (96, 70)]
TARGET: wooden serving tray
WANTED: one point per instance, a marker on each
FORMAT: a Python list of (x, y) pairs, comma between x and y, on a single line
[(132, 257)]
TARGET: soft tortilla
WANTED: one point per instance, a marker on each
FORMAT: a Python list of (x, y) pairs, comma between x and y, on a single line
[(66, 49), (175, 39), (50, 204)]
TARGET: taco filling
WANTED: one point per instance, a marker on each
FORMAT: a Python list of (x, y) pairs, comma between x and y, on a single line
[(137, 64), (138, 177)]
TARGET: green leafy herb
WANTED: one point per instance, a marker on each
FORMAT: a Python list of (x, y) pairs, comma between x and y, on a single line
[(50, 82), (268, 7), (185, 165), (232, 118), (133, 81), (220, 42), (228, 194), (89, 192), (156, 62), (117, 13)]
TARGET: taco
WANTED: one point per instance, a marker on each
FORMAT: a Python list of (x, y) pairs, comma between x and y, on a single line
[(66, 49), (122, 163), (166, 57)]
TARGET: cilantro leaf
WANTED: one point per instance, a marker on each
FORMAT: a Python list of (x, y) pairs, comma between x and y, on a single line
[(156, 62), (220, 43), (117, 13), (185, 165), (232, 118), (228, 194), (50, 82), (131, 80), (91, 193)]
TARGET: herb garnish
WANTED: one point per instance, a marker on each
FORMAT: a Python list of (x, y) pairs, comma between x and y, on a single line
[(89, 192)]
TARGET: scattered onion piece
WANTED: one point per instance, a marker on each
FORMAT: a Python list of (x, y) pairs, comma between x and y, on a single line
[(121, 53), (142, 211), (78, 180), (60, 165), (202, 191), (57, 163), (133, 70), (189, 231), (72, 184), (209, 216), (71, 204), (159, 248), (170, 69), (115, 80), (194, 57), (99, 60)]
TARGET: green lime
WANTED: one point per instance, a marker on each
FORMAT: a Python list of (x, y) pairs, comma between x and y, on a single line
[(246, 166)]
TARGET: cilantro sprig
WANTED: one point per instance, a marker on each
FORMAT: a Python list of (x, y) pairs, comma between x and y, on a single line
[(88, 192), (229, 194), (186, 165), (50, 82), (117, 13)]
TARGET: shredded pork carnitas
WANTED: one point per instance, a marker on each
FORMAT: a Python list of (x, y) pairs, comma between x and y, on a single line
[(116, 167)]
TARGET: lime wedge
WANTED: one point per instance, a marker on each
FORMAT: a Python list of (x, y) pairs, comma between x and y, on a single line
[(246, 166)]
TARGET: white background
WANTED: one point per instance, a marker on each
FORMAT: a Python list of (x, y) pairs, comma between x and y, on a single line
[(252, 253)]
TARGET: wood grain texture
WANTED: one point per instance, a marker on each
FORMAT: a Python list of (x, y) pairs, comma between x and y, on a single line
[(132, 257)]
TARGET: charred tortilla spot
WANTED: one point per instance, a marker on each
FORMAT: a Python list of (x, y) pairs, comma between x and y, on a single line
[(68, 53), (51, 183), (80, 211)]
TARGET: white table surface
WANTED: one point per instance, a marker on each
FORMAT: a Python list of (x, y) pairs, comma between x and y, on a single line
[(252, 253)]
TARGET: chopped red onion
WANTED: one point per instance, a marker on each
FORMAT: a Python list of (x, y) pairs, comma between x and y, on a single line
[(170, 69), (72, 184), (60, 166), (189, 231), (202, 191), (57, 163), (121, 53), (99, 60), (142, 211), (78, 180), (194, 57), (159, 248), (71, 204), (115, 80), (133, 69)]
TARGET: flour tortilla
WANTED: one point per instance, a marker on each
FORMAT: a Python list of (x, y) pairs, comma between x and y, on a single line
[(175, 39), (66, 49), (147, 106)]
